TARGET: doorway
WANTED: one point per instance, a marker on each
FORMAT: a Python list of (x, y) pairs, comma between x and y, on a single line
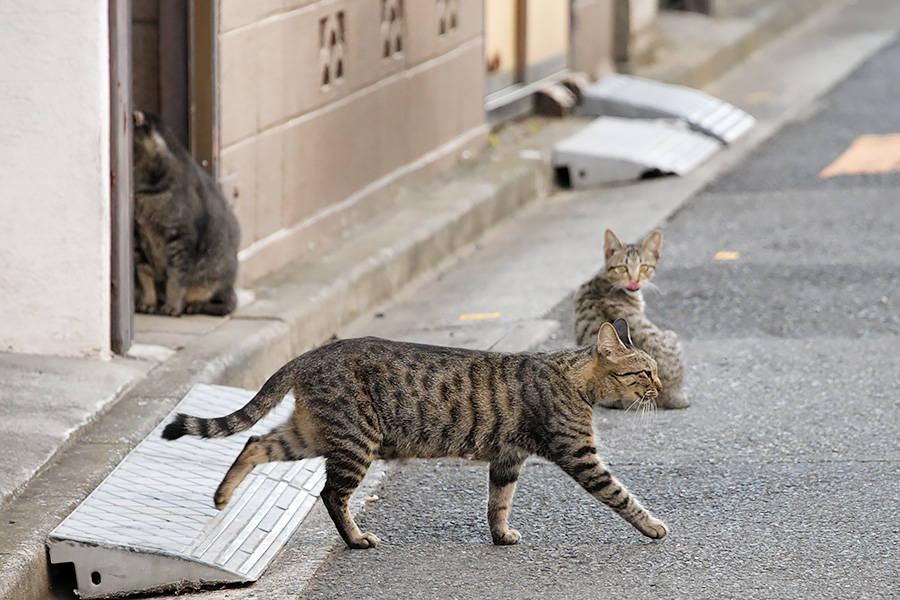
[(162, 60)]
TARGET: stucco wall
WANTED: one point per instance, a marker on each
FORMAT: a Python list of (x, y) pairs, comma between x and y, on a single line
[(54, 169)]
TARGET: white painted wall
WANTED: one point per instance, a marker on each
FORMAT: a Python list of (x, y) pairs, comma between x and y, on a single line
[(54, 177)]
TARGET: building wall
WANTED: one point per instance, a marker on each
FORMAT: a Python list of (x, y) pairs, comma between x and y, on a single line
[(500, 43), (54, 165), (643, 14), (326, 107), (593, 37), (546, 38)]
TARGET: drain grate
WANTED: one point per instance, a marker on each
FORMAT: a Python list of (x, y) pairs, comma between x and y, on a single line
[(151, 523), (612, 150), (619, 95)]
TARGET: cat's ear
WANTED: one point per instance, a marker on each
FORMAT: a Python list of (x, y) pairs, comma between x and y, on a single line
[(624, 333), (140, 119), (609, 346), (653, 243), (611, 243)]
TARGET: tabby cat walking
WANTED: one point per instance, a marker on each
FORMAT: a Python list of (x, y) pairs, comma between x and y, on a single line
[(616, 293), (360, 398)]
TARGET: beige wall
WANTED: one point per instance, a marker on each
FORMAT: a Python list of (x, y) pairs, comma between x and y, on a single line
[(311, 159), (593, 37), (546, 31), (500, 42)]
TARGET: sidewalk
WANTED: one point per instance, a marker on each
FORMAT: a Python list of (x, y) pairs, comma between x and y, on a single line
[(70, 421)]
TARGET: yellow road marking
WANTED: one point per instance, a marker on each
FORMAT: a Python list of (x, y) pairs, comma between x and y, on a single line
[(479, 316), (726, 255), (757, 97), (867, 154)]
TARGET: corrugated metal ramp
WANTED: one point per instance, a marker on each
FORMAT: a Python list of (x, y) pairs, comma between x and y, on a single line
[(619, 95), (151, 523), (613, 150)]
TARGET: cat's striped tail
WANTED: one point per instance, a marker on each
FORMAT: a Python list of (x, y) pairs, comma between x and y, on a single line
[(271, 394)]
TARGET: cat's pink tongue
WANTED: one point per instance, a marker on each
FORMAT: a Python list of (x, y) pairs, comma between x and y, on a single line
[(634, 286)]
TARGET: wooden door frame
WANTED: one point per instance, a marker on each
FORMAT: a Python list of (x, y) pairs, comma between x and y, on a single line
[(203, 84), (121, 186), (188, 99)]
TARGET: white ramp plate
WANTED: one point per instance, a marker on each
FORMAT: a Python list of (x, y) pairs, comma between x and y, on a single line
[(634, 97), (612, 150), (151, 523)]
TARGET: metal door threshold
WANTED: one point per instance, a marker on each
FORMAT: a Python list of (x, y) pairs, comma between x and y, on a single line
[(613, 150), (151, 524), (619, 95)]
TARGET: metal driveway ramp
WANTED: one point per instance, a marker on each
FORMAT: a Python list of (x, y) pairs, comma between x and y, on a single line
[(151, 523), (613, 150), (634, 97)]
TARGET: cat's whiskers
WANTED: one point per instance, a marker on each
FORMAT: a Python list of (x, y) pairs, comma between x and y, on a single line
[(643, 413), (618, 286), (651, 407), (637, 402), (644, 407)]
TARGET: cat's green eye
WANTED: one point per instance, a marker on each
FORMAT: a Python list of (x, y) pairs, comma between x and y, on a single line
[(623, 269)]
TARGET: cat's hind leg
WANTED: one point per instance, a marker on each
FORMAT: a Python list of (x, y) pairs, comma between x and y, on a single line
[(282, 443), (584, 466), (223, 302), (503, 474)]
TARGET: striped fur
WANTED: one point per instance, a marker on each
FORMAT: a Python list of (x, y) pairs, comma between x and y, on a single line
[(360, 399), (607, 297)]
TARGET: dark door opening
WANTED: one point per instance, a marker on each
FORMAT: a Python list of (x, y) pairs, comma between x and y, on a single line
[(162, 60)]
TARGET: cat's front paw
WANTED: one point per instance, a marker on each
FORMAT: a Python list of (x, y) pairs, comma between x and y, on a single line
[(146, 307), (508, 538), (221, 498), (653, 528), (364, 541), (169, 310)]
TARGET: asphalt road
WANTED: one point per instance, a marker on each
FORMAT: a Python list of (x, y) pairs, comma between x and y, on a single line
[(783, 478)]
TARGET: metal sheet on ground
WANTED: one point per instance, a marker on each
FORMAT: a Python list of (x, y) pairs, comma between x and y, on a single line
[(618, 95), (613, 150), (152, 524)]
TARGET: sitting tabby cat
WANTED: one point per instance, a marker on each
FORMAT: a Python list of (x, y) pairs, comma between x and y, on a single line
[(615, 293), (186, 236), (356, 397)]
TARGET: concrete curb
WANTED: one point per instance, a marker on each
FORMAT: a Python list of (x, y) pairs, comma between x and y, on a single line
[(307, 302)]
